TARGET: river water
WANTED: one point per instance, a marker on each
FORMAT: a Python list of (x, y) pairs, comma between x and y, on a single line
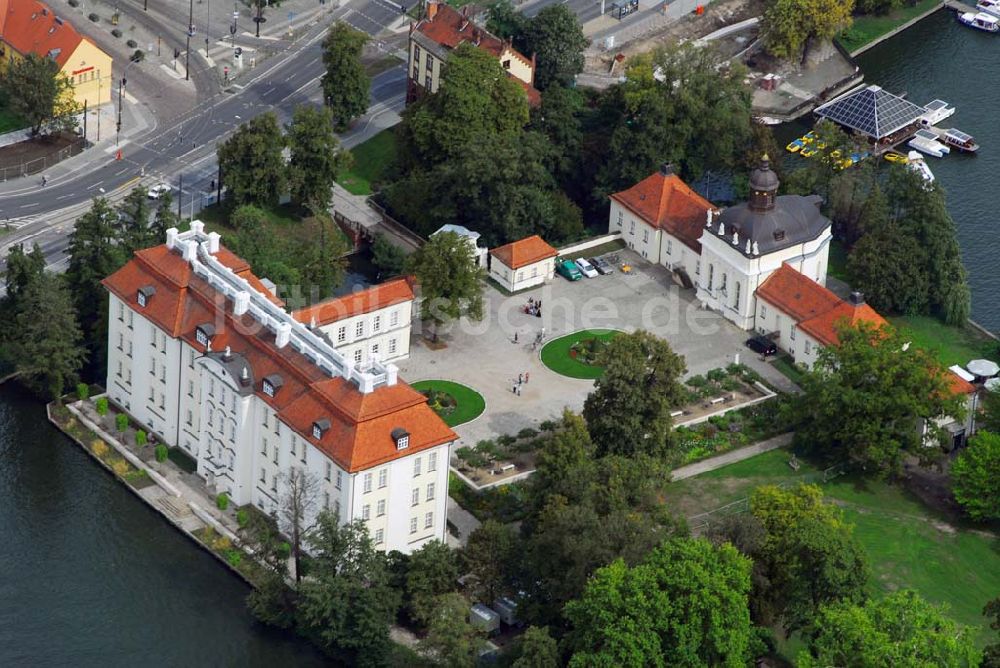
[(939, 58), (90, 576)]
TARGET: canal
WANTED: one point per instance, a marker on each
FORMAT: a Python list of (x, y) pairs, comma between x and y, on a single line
[(939, 58), (91, 576)]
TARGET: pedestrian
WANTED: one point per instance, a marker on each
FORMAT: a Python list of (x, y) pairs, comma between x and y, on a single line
[(543, 333), (518, 390), (45, 180), (526, 374), (515, 337), (514, 388), (520, 378)]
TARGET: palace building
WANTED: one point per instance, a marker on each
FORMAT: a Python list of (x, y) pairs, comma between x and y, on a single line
[(208, 360)]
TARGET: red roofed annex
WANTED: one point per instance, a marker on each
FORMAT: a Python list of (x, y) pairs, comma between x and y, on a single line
[(210, 363)]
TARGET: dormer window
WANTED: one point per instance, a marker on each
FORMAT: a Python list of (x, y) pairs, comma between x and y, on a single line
[(144, 295), (401, 438), (320, 427), (271, 384), (203, 333)]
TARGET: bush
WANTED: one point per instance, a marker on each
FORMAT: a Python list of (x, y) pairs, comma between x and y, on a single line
[(549, 425), (696, 381), (82, 391), (161, 453), (138, 56), (116, 32), (527, 432), (131, 44), (99, 448), (221, 543), (234, 557), (716, 375), (94, 17), (222, 501), (102, 406), (121, 422), (119, 466), (242, 517), (140, 438), (505, 440)]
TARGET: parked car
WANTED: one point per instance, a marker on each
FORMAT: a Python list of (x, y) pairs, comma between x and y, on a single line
[(568, 270), (157, 191), (586, 268), (602, 266), (762, 344)]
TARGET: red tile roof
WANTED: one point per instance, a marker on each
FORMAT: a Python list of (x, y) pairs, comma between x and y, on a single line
[(380, 296), (29, 26), (361, 424), (666, 202), (526, 251), (957, 384), (817, 311), (797, 295), (449, 27)]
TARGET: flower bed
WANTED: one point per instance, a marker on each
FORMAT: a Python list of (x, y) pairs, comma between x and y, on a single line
[(578, 355), (734, 429), (455, 403)]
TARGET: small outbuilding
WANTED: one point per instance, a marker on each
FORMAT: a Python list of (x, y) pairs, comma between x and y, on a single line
[(471, 237), (523, 264), (884, 118)]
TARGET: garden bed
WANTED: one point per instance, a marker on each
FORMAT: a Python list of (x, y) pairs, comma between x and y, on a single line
[(505, 503), (492, 461), (577, 355), (453, 402)]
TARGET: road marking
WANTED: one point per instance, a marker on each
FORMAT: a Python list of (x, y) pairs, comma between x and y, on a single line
[(65, 196), (94, 185), (28, 206)]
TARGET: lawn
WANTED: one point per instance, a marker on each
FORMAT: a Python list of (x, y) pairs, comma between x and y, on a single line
[(908, 544), (469, 404), (786, 365), (951, 345), (371, 158), (596, 251), (867, 29), (556, 354), (286, 221)]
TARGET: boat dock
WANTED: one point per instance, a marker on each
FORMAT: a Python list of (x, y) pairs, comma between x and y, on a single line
[(959, 7)]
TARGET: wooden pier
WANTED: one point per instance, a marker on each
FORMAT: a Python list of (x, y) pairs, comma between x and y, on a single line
[(959, 7)]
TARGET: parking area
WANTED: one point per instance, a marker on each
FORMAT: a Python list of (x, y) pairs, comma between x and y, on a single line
[(484, 355)]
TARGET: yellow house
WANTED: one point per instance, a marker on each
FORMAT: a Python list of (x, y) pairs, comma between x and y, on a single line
[(29, 26), (442, 29)]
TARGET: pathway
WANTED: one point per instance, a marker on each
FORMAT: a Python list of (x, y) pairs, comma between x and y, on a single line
[(731, 457), (463, 520)]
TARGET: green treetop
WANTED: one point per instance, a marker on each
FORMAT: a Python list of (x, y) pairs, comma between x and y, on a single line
[(345, 83)]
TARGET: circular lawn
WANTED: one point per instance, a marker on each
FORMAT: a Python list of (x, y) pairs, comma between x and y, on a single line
[(455, 403), (577, 355)]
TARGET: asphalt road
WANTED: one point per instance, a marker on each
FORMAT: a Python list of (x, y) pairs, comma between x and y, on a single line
[(585, 10)]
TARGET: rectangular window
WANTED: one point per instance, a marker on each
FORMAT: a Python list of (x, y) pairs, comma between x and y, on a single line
[(190, 418), (263, 475), (763, 311), (263, 447), (341, 334), (119, 368), (340, 475), (430, 492), (376, 323), (357, 356), (329, 471), (368, 483), (130, 319), (336, 509), (808, 347), (374, 349), (121, 341), (129, 353), (359, 329), (736, 297), (302, 456), (620, 217), (277, 446), (191, 388), (274, 483), (163, 402), (152, 395), (392, 346), (432, 461), (366, 512), (416, 467), (631, 227), (380, 508), (394, 318), (383, 477), (791, 332), (152, 367), (415, 497), (326, 500), (413, 525), (121, 311), (428, 520), (697, 267), (379, 536), (645, 236), (191, 359)]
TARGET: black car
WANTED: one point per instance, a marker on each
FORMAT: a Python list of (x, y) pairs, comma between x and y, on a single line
[(762, 345)]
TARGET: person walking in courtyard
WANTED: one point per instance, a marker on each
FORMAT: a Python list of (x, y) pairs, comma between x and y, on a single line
[(526, 374), (515, 337), (520, 378)]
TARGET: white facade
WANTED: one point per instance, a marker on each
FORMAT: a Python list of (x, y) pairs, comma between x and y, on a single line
[(382, 334), (728, 278), (201, 403), (652, 243), (803, 348), (522, 278)]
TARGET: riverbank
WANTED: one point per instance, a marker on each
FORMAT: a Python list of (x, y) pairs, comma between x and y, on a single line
[(867, 32)]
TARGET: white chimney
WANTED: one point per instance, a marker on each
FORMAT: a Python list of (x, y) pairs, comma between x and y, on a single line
[(198, 227), (756, 248), (736, 238), (391, 374), (366, 383), (722, 229), (190, 247), (241, 302), (708, 218), (171, 238), (283, 335), (213, 242)]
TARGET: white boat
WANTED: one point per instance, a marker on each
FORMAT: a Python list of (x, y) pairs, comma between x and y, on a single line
[(989, 6), (980, 21), (960, 140), (938, 110), (927, 142), (919, 165)]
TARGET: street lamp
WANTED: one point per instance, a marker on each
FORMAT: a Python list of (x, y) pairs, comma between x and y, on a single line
[(259, 18), (121, 89), (190, 33)]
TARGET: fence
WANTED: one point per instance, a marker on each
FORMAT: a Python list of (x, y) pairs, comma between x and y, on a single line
[(701, 522), (43, 162)]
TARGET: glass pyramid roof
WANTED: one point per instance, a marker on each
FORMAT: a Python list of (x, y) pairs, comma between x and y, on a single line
[(871, 111)]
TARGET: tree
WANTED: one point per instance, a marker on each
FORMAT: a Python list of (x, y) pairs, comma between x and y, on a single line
[(974, 477), (272, 602), (347, 604), (134, 231), (565, 465), (450, 280), (808, 558), (433, 571), (556, 38), (487, 556), (990, 418), (451, 639), (900, 630), (253, 168), (866, 398), (296, 504), (629, 410), (537, 649), (790, 27), (345, 83), (678, 105), (991, 653), (39, 92), (684, 605), (256, 242), (388, 257), (45, 338), (316, 156), (559, 119), (22, 270), (164, 218), (323, 261), (506, 22)]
